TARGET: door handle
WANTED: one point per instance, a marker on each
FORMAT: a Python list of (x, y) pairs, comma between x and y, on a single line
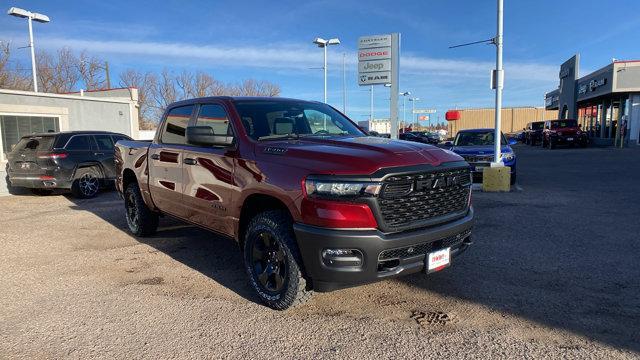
[(190, 161), (98, 154), (155, 156)]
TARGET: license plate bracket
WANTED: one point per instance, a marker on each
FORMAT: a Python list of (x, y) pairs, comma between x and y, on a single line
[(437, 260)]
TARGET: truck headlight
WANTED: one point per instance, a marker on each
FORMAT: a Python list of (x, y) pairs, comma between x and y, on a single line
[(508, 156), (339, 189)]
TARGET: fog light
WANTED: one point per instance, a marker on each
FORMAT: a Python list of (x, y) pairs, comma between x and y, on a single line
[(342, 257)]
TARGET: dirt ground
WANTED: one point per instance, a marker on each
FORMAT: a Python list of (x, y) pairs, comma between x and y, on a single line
[(553, 273)]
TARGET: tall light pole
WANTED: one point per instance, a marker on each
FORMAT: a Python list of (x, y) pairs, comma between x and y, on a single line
[(499, 76), (344, 83), (322, 43), (413, 106), (30, 16), (404, 112)]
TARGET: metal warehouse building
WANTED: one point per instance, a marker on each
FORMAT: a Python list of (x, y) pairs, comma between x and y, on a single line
[(513, 119), (25, 112), (606, 102)]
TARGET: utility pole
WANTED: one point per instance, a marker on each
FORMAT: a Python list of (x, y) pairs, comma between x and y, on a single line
[(499, 78), (106, 70)]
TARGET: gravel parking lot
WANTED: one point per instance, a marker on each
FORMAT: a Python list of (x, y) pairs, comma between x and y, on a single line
[(553, 273)]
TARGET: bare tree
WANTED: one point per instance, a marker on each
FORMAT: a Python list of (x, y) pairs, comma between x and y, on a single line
[(143, 82), (59, 73), (92, 72), (163, 91), (12, 77), (251, 87)]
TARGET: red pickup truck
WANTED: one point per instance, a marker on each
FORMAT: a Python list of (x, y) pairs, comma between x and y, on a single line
[(314, 203)]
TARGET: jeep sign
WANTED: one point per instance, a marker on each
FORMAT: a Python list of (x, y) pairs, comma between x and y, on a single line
[(374, 65)]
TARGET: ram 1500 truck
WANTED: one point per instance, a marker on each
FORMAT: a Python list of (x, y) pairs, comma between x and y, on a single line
[(314, 203)]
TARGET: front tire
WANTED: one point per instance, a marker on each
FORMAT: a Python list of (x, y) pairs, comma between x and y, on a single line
[(140, 219), (272, 261)]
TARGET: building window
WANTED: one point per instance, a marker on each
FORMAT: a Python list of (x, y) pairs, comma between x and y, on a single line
[(15, 127)]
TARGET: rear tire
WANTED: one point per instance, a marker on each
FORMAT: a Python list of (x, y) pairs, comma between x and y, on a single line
[(140, 219), (87, 183), (272, 261)]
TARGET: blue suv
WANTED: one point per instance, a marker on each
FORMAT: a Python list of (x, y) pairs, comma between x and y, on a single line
[(476, 147)]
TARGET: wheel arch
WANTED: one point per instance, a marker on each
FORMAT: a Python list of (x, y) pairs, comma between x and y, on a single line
[(254, 204)]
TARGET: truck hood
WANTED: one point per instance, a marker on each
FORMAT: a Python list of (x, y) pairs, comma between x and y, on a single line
[(479, 150), (351, 155)]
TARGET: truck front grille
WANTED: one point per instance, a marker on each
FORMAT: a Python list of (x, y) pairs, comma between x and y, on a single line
[(411, 200), (423, 248), (478, 158)]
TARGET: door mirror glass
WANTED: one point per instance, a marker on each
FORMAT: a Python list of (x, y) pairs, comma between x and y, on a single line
[(204, 136), (512, 141), (448, 143)]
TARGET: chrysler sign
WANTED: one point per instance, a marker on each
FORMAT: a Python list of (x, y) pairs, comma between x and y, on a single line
[(375, 41)]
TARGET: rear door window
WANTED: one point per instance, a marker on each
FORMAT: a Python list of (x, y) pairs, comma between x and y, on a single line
[(80, 142), (104, 142), (176, 125)]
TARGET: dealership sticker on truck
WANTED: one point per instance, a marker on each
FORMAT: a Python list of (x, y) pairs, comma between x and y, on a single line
[(438, 260)]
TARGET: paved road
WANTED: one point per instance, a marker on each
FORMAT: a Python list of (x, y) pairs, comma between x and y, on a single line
[(553, 272)]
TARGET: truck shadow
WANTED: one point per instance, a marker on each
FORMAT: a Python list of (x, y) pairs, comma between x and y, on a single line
[(216, 257), (563, 253)]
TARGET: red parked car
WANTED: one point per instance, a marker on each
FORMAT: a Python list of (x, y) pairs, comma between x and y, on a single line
[(563, 132)]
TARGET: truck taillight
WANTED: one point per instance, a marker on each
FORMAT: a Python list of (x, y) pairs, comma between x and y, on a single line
[(337, 214)]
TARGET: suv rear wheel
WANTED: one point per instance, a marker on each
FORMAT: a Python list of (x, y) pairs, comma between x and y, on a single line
[(87, 183), (140, 219), (272, 261)]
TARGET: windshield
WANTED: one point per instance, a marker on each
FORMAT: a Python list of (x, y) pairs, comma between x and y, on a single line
[(537, 126), (476, 138), (38, 143), (265, 120), (563, 124)]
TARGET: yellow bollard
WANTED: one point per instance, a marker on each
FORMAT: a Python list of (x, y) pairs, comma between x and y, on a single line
[(496, 179)]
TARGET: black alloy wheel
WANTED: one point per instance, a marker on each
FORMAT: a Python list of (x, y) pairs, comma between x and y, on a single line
[(269, 263)]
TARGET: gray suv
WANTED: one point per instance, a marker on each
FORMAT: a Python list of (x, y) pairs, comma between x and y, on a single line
[(81, 161)]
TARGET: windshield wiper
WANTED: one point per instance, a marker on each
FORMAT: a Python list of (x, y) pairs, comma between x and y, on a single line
[(279, 136)]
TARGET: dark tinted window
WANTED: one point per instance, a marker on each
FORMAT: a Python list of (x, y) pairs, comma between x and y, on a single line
[(215, 117), (104, 142), (264, 120), (80, 142), (35, 143), (537, 126), (176, 125), (563, 124), (476, 138), (117, 138)]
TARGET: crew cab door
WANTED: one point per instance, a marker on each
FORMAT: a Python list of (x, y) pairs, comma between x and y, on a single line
[(165, 161), (208, 174)]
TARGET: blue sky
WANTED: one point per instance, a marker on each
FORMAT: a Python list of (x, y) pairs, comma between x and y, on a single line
[(271, 41)]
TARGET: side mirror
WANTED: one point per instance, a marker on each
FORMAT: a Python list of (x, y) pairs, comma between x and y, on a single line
[(204, 136), (448, 143), (512, 141)]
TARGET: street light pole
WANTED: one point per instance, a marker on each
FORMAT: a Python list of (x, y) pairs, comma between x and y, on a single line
[(322, 43), (371, 110), (344, 84), (33, 56), (499, 84), (30, 16), (404, 112)]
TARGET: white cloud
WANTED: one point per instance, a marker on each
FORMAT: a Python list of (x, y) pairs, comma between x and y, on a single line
[(283, 56)]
